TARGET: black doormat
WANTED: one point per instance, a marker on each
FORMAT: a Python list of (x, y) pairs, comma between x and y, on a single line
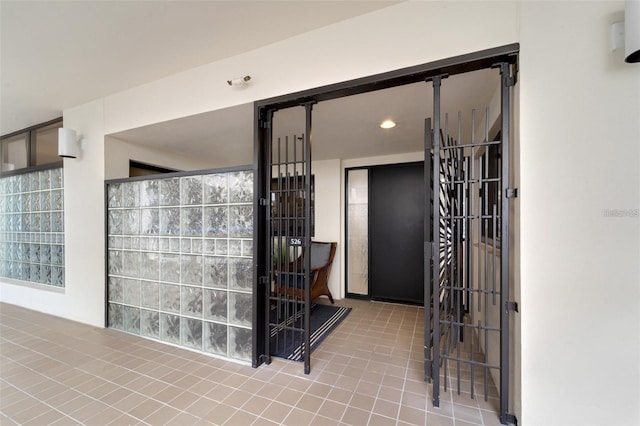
[(287, 343)]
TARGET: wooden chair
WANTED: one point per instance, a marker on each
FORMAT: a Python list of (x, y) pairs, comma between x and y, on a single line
[(290, 281)]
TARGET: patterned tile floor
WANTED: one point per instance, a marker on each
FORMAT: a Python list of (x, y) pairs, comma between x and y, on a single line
[(368, 371)]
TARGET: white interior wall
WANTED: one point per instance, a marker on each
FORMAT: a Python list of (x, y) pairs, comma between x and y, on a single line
[(579, 155), (328, 218), (118, 153)]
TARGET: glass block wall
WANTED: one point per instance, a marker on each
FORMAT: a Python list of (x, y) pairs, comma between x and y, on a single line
[(180, 256), (32, 227)]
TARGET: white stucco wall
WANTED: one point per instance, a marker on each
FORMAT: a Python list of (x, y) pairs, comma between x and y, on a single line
[(580, 155), (118, 153)]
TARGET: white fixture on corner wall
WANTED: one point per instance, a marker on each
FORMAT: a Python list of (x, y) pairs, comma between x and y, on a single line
[(632, 31), (67, 143), (240, 81)]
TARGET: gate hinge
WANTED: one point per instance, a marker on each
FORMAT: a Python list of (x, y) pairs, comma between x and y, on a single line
[(511, 306), (263, 202), (264, 280), (434, 251), (266, 124), (512, 192)]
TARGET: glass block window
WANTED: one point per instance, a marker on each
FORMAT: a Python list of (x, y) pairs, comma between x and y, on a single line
[(32, 227), (180, 256)]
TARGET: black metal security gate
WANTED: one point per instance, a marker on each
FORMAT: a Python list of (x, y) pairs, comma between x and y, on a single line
[(467, 301), (288, 213)]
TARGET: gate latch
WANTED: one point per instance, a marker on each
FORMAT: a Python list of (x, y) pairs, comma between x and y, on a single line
[(511, 306), (512, 192)]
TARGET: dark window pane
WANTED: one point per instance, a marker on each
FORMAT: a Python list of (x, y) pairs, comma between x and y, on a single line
[(46, 144), (14, 152)]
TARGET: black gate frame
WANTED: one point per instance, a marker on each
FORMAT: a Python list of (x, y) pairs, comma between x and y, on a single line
[(263, 114), (445, 260)]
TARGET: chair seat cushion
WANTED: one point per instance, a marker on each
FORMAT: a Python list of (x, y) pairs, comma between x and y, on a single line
[(292, 280)]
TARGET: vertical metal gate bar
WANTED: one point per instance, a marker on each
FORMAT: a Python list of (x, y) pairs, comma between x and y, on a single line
[(307, 242), (437, 80), (428, 248), (269, 232), (507, 81)]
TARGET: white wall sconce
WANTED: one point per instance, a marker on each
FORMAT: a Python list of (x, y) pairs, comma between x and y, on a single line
[(626, 34), (67, 143), (632, 31)]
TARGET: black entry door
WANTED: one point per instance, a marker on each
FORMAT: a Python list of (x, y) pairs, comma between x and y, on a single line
[(396, 224)]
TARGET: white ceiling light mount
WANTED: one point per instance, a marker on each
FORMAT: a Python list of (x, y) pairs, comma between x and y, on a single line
[(240, 81), (388, 124)]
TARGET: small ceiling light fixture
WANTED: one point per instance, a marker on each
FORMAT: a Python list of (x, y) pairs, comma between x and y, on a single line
[(387, 124), (240, 81)]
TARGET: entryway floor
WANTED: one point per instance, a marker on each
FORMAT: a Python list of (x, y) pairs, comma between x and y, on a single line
[(368, 371)]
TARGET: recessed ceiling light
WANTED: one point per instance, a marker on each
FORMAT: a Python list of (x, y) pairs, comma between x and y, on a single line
[(387, 124)]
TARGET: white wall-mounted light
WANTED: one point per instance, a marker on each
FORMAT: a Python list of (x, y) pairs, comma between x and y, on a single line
[(240, 81), (67, 143), (632, 31), (388, 124)]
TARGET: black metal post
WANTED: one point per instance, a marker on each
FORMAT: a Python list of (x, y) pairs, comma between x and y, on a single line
[(505, 107), (437, 81), (428, 248), (307, 240)]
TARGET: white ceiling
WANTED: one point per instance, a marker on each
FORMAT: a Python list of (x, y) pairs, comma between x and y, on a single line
[(347, 127), (59, 54)]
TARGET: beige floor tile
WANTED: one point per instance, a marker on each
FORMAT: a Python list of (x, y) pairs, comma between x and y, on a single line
[(256, 405), (467, 414), (363, 402), (90, 410), (276, 412), (260, 421), (201, 407), (220, 414), (145, 409), (184, 400), (240, 418), (340, 395), (162, 416), (289, 396), (378, 420), (355, 416), (184, 419), (332, 410), (310, 403), (298, 417), (167, 393), (237, 398), (386, 408), (390, 394), (412, 415), (104, 417), (48, 417), (414, 401)]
